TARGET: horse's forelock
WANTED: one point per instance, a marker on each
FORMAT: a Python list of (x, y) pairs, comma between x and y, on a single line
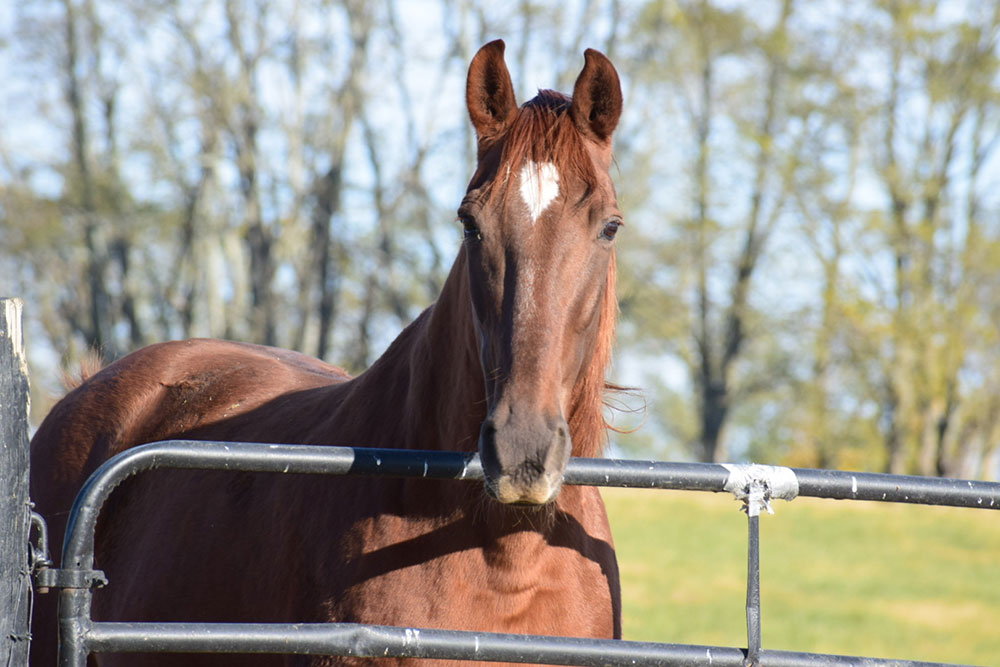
[(542, 132)]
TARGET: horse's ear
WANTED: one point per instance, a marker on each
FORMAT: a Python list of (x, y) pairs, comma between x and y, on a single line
[(489, 92), (597, 97)]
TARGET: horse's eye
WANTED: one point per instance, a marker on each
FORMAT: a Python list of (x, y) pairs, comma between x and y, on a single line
[(470, 228), (610, 229)]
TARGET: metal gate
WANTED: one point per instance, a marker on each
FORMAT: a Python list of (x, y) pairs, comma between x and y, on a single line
[(755, 485)]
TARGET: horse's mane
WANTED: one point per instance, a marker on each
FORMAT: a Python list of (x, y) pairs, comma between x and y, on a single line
[(586, 417), (90, 364)]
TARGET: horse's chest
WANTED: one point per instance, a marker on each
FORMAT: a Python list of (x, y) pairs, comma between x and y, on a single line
[(444, 578)]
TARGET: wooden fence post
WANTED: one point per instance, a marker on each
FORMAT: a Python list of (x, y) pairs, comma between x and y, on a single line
[(15, 577)]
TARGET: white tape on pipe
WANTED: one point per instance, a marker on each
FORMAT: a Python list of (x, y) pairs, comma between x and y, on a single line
[(776, 482)]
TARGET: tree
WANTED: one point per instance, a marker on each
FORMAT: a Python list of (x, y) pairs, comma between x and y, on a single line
[(938, 113), (705, 39), (809, 266)]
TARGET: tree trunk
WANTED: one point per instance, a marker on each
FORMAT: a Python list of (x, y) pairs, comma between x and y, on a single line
[(98, 328)]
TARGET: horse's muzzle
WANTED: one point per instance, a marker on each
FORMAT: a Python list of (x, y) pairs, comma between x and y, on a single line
[(524, 458)]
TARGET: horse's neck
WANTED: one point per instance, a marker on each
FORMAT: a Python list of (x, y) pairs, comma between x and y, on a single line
[(429, 383), (427, 391)]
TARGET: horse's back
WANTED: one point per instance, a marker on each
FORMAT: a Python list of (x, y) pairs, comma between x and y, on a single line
[(193, 388), (156, 393)]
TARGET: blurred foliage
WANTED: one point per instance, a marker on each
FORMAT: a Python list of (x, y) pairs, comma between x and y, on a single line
[(811, 263)]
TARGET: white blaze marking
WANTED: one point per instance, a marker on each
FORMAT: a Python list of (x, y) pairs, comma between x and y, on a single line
[(539, 186), (524, 306)]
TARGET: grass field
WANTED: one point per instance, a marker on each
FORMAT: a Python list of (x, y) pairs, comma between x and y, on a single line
[(851, 578)]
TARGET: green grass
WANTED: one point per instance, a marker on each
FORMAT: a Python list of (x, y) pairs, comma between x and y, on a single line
[(850, 578)]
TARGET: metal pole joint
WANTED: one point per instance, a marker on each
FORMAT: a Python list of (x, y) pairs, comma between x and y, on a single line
[(51, 577), (757, 484)]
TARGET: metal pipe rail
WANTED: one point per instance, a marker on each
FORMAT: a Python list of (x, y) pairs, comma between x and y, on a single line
[(756, 485), (379, 641)]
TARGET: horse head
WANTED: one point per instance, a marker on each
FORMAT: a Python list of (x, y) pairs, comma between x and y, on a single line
[(540, 218)]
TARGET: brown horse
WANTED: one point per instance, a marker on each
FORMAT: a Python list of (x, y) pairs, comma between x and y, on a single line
[(511, 358)]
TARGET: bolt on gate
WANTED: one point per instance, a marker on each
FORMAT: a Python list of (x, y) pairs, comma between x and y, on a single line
[(755, 485)]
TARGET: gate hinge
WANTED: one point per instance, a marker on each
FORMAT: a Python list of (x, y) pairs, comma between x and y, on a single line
[(51, 577), (46, 576)]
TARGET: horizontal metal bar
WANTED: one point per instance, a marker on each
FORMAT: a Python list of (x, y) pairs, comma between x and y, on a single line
[(797, 659), (630, 473), (247, 457), (371, 641), (833, 484), (883, 487), (283, 458)]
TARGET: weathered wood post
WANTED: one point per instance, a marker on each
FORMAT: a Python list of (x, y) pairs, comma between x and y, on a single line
[(15, 575)]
